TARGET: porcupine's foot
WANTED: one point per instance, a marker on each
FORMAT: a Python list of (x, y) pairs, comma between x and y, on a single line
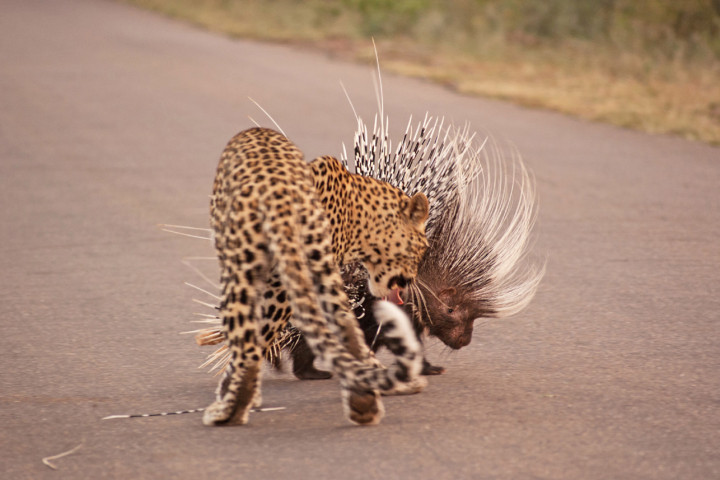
[(303, 359), (429, 369), (311, 373), (362, 407)]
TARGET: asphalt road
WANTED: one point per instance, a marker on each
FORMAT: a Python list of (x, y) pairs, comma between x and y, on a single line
[(112, 120)]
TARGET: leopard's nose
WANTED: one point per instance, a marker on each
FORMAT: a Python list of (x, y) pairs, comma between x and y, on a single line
[(398, 281)]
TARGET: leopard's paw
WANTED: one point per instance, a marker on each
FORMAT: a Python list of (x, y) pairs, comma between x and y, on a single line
[(223, 413), (363, 408), (416, 385)]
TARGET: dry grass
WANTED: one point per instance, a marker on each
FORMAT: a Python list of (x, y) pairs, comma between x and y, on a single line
[(687, 105), (591, 81)]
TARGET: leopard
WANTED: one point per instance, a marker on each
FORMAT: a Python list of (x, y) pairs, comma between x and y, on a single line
[(282, 229)]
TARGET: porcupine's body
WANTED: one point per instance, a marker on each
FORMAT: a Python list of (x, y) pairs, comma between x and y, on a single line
[(281, 227), (481, 216)]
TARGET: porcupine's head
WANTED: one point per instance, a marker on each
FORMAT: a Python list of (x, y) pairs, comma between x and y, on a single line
[(448, 312), (482, 209)]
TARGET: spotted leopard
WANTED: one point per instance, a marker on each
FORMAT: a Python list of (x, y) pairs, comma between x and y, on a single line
[(282, 228)]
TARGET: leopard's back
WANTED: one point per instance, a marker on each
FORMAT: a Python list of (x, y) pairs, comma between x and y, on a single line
[(255, 162)]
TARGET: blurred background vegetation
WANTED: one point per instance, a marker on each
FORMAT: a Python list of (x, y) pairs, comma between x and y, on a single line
[(652, 65)]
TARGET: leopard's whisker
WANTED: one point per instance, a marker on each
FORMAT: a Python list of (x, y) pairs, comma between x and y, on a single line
[(423, 301)]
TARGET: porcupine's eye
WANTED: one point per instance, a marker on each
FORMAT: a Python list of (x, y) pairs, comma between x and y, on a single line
[(450, 310)]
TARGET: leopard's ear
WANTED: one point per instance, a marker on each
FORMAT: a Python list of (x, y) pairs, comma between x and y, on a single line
[(418, 209)]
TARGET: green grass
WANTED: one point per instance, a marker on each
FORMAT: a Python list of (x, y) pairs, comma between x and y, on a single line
[(642, 64)]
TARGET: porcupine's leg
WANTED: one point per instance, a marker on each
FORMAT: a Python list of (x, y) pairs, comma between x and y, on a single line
[(276, 309), (303, 360), (337, 307), (237, 390), (303, 356)]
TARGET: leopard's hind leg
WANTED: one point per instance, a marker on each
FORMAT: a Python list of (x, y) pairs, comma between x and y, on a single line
[(239, 388)]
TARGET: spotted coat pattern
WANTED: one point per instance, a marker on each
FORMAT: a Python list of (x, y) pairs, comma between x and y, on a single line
[(282, 227)]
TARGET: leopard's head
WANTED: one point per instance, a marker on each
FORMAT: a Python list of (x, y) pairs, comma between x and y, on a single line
[(373, 223), (394, 240)]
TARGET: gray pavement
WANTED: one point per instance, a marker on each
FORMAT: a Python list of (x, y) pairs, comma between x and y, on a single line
[(112, 120)]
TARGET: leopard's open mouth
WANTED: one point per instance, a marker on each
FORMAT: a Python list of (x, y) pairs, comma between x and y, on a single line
[(395, 297)]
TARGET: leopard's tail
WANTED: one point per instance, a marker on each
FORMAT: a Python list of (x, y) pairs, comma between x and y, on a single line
[(311, 280)]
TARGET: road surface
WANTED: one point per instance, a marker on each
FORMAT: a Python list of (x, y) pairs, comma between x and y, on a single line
[(112, 120)]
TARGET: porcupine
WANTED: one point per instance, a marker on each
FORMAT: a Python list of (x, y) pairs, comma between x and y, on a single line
[(481, 216), (482, 213)]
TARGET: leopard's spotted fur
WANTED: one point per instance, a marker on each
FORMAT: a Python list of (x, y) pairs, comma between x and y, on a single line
[(282, 227)]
